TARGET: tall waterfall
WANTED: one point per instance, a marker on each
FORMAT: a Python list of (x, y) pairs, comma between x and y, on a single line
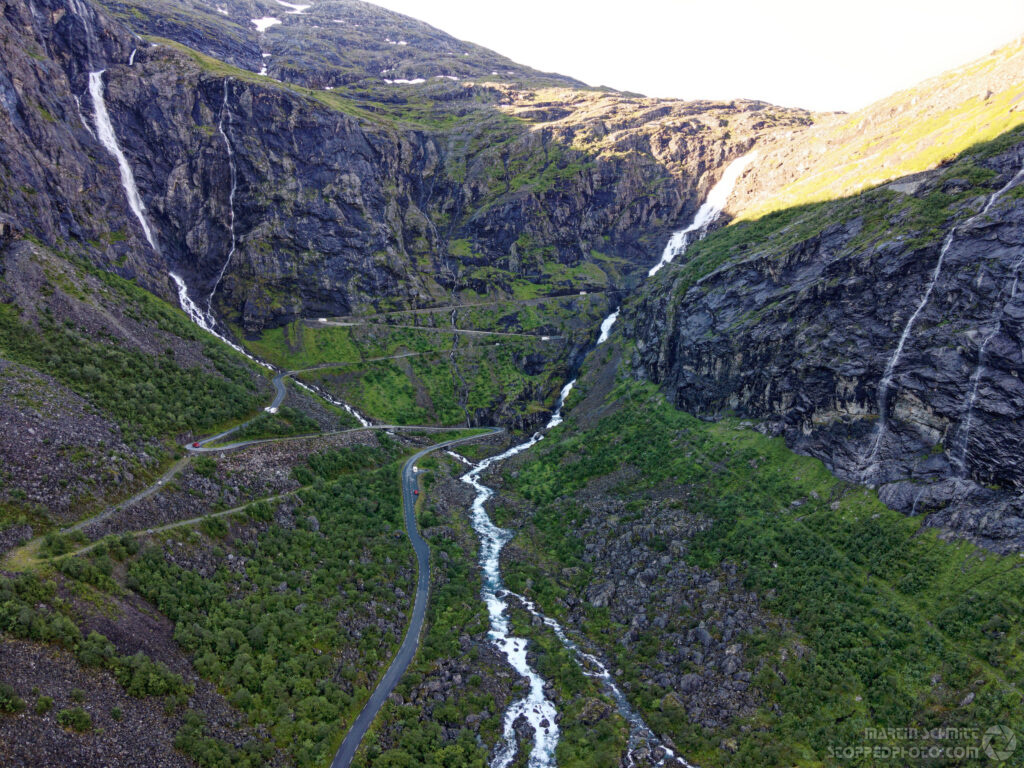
[(707, 213), (107, 137), (225, 111)]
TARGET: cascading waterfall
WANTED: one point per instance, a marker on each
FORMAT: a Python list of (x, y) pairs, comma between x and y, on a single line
[(107, 137), (536, 707), (363, 421), (885, 384), (538, 710), (965, 436), (231, 196), (710, 210), (203, 319)]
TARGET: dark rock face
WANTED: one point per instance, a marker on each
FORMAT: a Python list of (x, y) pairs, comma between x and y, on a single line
[(801, 336), (59, 184), (341, 201)]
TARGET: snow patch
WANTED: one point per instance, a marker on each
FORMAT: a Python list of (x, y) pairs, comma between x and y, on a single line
[(265, 23)]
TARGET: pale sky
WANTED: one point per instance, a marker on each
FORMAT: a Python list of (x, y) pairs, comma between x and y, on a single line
[(818, 54)]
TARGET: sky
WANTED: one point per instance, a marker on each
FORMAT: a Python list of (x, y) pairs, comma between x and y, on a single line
[(817, 54)]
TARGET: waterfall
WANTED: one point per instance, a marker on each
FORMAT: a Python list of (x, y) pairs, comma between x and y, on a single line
[(890, 368), (885, 385), (606, 326), (968, 421), (707, 213), (107, 137), (203, 319), (231, 196), (84, 12), (556, 417), (538, 710), (131, 59)]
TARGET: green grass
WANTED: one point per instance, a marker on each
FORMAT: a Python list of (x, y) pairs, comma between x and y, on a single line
[(909, 132), (297, 346)]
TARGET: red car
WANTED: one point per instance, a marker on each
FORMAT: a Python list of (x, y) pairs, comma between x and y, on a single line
[(415, 493), (195, 445)]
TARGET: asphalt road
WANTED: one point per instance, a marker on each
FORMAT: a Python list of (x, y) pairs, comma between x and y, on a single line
[(410, 483), (279, 393)]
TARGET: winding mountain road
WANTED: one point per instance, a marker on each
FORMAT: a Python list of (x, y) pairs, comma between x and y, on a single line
[(410, 484), (432, 329)]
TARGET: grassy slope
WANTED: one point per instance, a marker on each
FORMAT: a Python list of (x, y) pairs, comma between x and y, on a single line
[(435, 386), (281, 649), (884, 606), (152, 398), (906, 133)]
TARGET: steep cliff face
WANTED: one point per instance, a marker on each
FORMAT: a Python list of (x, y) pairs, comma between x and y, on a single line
[(58, 183), (276, 201), (881, 333)]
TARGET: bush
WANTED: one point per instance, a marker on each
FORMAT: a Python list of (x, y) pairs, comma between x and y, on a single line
[(76, 718), (214, 527), (205, 466), (10, 702), (43, 705)]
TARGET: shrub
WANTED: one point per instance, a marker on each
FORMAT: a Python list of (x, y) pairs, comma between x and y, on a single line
[(76, 718), (10, 702)]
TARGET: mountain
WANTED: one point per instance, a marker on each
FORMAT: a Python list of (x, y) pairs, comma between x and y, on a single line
[(370, 195), (871, 317), (349, 416)]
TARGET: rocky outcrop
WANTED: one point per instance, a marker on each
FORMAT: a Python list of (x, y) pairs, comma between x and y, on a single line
[(802, 324)]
